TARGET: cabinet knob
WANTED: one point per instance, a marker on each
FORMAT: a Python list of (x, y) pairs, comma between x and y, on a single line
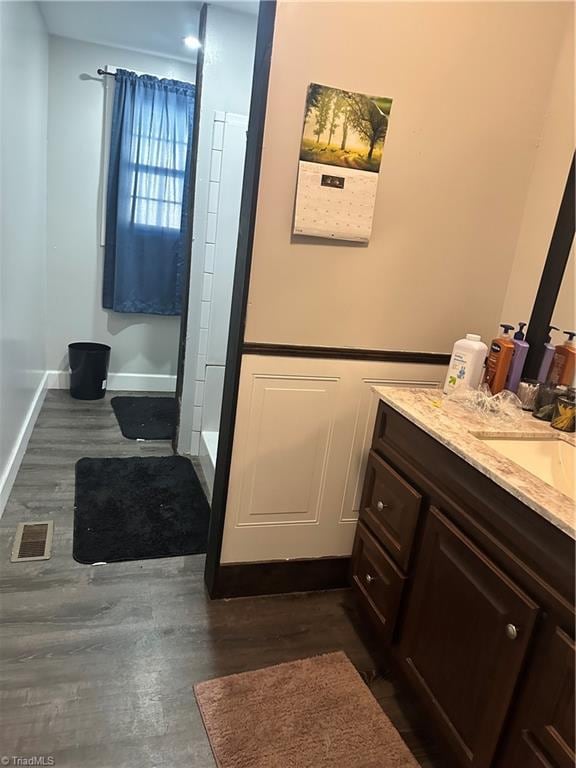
[(370, 579), (380, 506), (511, 632)]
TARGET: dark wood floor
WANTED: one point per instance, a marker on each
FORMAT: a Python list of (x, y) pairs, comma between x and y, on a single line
[(97, 663)]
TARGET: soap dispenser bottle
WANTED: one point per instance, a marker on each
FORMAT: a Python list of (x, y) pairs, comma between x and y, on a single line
[(562, 368), (518, 359), (499, 359), (549, 350)]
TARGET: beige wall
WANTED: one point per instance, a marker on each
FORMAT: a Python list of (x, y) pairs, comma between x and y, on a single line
[(547, 181), (468, 82)]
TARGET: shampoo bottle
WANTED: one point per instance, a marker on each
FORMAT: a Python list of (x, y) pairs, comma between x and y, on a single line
[(466, 364), (562, 368), (499, 360), (518, 359), (549, 350)]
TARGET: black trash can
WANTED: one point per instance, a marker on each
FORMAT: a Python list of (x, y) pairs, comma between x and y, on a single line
[(88, 369)]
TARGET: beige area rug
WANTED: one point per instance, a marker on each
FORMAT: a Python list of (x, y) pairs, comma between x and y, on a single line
[(313, 713)]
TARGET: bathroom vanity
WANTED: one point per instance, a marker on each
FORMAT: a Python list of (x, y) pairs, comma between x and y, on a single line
[(464, 565)]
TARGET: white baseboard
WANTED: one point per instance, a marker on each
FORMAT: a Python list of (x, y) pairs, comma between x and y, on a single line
[(20, 444), (122, 382)]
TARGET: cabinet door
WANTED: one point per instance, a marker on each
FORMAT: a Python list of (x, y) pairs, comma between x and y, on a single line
[(543, 732), (390, 508), (527, 755), (377, 581), (465, 636)]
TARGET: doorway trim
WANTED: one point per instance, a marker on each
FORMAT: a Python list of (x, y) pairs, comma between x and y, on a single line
[(262, 59), (189, 233), (261, 72)]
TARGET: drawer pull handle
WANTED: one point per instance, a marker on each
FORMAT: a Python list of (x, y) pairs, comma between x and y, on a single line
[(511, 632), (370, 579), (381, 506)]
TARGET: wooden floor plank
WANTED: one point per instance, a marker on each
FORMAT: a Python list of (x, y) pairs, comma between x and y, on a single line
[(98, 662)]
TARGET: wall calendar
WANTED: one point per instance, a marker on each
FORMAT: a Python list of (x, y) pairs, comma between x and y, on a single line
[(340, 156)]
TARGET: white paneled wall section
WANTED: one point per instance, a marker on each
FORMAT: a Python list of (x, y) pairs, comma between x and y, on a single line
[(303, 431)]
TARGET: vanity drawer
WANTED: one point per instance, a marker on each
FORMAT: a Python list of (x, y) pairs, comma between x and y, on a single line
[(390, 508), (376, 580)]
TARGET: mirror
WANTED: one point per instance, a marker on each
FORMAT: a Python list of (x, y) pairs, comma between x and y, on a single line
[(564, 316), (554, 302)]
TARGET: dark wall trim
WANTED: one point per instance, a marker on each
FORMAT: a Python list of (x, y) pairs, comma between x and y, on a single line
[(189, 233), (276, 578), (262, 57), (345, 353), (551, 279)]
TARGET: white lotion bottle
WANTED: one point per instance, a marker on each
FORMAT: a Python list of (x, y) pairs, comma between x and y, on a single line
[(466, 366)]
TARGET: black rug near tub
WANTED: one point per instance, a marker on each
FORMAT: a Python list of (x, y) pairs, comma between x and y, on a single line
[(138, 508), (146, 418)]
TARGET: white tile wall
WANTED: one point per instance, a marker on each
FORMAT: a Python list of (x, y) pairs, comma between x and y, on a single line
[(216, 165), (213, 190), (211, 225), (209, 257), (195, 444), (207, 280), (201, 368), (218, 133), (205, 315), (203, 341), (212, 403), (197, 419), (207, 287), (199, 393)]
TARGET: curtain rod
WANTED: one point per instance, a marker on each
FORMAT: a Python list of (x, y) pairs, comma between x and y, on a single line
[(103, 72)]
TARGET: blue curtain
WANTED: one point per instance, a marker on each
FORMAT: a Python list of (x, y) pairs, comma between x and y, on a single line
[(148, 194)]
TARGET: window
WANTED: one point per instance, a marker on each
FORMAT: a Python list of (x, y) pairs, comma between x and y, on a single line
[(157, 181), (151, 199)]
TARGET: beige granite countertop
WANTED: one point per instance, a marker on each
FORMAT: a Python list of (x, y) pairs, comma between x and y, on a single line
[(453, 425)]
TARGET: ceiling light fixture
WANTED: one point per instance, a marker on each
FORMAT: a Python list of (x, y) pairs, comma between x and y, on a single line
[(192, 42)]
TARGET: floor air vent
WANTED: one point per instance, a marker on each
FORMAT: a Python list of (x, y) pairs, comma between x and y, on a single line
[(33, 542)]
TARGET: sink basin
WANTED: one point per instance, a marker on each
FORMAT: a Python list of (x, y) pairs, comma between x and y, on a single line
[(552, 460)]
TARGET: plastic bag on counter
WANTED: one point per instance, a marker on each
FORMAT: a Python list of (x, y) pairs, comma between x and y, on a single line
[(503, 409)]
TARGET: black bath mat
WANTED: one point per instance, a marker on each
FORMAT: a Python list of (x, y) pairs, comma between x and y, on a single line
[(146, 418), (138, 508)]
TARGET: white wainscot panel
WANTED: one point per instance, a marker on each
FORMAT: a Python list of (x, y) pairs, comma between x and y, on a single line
[(302, 436), (289, 432)]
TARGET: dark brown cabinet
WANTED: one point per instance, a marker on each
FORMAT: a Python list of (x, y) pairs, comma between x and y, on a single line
[(465, 637), (472, 596), (543, 734), (391, 508), (377, 581)]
